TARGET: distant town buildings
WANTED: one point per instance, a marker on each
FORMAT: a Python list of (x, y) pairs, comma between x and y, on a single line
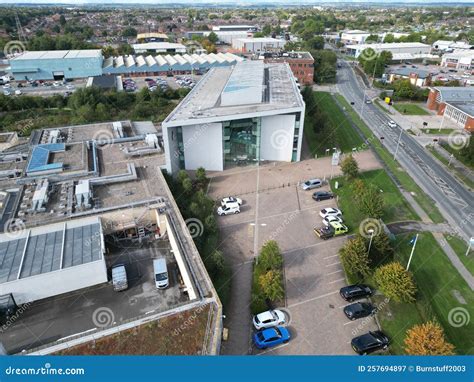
[(301, 64), (399, 50), (459, 59), (417, 77), (158, 47), (151, 37), (259, 44)]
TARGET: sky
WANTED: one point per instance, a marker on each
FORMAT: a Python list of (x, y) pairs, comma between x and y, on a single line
[(238, 2)]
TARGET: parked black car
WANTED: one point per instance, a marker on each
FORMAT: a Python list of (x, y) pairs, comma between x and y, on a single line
[(370, 342), (322, 195), (359, 310), (355, 292)]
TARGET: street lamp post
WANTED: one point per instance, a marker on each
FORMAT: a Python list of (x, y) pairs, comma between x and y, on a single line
[(371, 231), (412, 251), (398, 142)]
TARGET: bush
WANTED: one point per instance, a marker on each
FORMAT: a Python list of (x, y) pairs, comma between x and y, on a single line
[(355, 259), (427, 339), (350, 167), (395, 282)]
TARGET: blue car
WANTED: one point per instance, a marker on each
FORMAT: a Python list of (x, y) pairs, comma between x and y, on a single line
[(271, 337)]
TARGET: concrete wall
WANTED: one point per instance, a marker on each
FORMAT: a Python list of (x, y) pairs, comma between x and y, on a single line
[(277, 133), (170, 141), (180, 260), (58, 282), (203, 146)]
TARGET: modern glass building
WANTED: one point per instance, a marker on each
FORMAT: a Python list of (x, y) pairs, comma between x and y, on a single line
[(236, 116)]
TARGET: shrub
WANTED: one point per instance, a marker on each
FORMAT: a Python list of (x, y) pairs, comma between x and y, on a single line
[(355, 259), (427, 339), (395, 282)]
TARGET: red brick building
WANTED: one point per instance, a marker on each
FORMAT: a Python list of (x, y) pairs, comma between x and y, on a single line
[(301, 64), (455, 103)]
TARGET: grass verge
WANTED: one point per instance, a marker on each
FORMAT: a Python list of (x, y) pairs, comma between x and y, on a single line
[(410, 109), (458, 156), (460, 247), (437, 131), (339, 128), (396, 208), (463, 178), (380, 106), (425, 202)]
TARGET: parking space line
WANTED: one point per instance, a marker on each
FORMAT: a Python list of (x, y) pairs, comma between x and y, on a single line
[(336, 281), (332, 273), (347, 323), (273, 349), (313, 299), (330, 265), (330, 257)]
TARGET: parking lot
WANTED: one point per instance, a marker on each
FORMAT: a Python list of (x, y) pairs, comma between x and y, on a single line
[(88, 310), (171, 82), (312, 270), (41, 88)]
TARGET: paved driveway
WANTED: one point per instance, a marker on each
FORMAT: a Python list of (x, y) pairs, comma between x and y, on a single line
[(313, 274)]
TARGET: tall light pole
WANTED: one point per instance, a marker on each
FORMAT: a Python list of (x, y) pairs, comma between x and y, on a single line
[(471, 241), (371, 231), (412, 251)]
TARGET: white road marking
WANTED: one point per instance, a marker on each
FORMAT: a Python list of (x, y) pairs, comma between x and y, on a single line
[(330, 257), (336, 281), (273, 349), (313, 299), (338, 271), (77, 334), (330, 265)]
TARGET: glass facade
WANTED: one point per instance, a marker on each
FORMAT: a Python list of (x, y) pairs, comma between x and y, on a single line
[(241, 141), (179, 138)]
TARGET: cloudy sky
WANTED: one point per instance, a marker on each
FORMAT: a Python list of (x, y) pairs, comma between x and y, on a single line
[(238, 2)]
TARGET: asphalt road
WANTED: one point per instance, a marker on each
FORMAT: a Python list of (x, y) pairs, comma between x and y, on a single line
[(454, 201)]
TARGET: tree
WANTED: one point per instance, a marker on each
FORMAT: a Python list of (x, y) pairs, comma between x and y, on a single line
[(354, 257), (372, 38), (316, 42), (267, 29), (349, 167), (271, 285), (129, 32), (201, 176), (427, 339), (371, 202), (270, 256), (381, 249), (395, 282), (212, 37), (62, 20)]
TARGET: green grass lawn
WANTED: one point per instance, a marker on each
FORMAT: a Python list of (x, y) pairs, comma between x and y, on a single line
[(460, 247), (462, 177), (345, 135), (410, 109), (378, 103), (460, 158), (425, 202), (437, 131), (396, 208), (440, 289)]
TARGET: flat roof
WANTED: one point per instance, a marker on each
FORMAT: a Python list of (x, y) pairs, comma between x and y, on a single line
[(465, 107), (204, 100), (58, 54), (158, 45), (260, 39), (391, 45), (49, 248), (455, 93), (407, 71)]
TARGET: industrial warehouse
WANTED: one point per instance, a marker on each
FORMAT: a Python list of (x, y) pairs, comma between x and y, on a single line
[(75, 203), (236, 115), (73, 64)]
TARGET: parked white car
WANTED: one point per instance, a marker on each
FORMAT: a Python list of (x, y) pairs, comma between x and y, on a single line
[(18, 92), (312, 183), (332, 218), (231, 199), (268, 319), (330, 212), (228, 209), (392, 124)]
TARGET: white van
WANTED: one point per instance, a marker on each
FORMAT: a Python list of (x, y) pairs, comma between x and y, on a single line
[(161, 273), (119, 278)]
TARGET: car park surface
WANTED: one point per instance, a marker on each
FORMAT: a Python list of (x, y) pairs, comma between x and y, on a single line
[(312, 271)]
